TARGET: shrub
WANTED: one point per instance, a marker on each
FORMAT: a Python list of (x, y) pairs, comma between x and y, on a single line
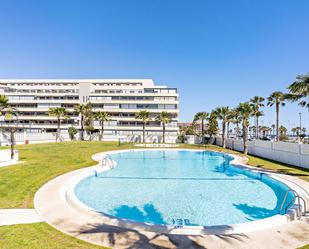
[(283, 137), (72, 132)]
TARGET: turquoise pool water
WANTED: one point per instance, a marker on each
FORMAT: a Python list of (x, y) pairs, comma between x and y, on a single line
[(198, 187)]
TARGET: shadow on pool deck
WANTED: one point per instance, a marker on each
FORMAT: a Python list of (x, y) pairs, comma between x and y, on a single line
[(119, 237)]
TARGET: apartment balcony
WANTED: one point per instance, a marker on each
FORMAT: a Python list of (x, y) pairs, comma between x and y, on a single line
[(138, 128), (43, 101), (41, 117), (143, 94), (116, 110), (36, 109), (171, 102), (136, 110)]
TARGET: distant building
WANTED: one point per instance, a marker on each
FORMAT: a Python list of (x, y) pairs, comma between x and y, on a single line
[(121, 98)]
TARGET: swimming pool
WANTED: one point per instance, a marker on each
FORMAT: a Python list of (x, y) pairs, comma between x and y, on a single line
[(198, 188)]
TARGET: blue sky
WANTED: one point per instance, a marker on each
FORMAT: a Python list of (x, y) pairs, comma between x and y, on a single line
[(216, 52)]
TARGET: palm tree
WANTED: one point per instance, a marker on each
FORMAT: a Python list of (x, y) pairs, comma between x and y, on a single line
[(223, 113), (245, 110), (299, 91), (277, 99), (84, 110), (59, 113), (144, 116), (4, 103), (300, 132), (236, 119), (202, 116), (9, 113), (164, 118), (102, 117), (282, 130), (230, 119), (212, 129), (257, 102), (257, 114)]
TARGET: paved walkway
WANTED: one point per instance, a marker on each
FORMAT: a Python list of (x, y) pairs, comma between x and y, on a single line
[(18, 216), (9, 163), (94, 228)]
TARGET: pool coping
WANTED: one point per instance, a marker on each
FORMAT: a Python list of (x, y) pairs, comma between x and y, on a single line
[(67, 193)]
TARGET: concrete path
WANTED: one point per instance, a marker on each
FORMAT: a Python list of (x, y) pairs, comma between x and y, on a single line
[(18, 216), (9, 163), (53, 207)]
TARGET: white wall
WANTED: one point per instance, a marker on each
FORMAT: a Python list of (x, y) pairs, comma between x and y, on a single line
[(192, 139), (290, 153)]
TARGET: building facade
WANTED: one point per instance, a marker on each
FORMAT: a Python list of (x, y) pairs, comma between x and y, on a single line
[(121, 98)]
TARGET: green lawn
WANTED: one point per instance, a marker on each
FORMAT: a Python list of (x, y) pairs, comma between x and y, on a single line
[(39, 236), (44, 162), (304, 247)]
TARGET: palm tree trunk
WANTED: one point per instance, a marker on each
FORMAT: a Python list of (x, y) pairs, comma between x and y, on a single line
[(237, 129), (257, 128), (102, 130), (227, 130), (163, 132), (308, 118), (277, 121), (202, 130), (223, 134), (245, 135), (144, 132), (12, 142), (58, 130), (82, 127)]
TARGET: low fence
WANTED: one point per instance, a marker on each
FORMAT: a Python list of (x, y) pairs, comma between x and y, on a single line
[(22, 138), (285, 152)]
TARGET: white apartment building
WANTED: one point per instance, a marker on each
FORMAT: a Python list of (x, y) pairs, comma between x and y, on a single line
[(121, 98)]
